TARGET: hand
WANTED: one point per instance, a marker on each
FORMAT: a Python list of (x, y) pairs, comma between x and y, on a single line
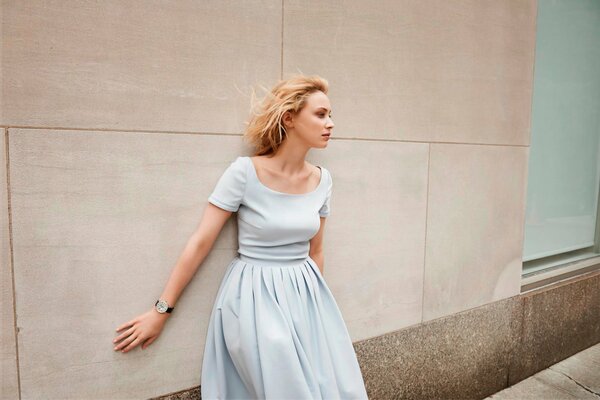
[(144, 328)]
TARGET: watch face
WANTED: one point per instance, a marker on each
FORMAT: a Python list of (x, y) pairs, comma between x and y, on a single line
[(162, 306)]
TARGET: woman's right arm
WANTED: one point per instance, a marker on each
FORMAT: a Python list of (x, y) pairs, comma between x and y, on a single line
[(145, 328)]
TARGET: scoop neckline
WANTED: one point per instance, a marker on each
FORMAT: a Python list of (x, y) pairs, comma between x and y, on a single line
[(253, 168)]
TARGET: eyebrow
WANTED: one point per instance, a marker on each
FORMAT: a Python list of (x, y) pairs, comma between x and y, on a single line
[(324, 108)]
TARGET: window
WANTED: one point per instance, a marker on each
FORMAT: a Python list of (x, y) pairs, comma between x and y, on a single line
[(563, 186)]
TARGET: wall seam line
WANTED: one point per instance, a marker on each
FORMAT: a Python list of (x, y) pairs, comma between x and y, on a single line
[(348, 138), (425, 237), (11, 258), (281, 55)]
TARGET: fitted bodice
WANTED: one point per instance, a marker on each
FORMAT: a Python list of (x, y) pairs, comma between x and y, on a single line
[(272, 226)]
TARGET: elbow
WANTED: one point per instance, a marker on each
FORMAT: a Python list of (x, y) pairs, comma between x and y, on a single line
[(201, 242)]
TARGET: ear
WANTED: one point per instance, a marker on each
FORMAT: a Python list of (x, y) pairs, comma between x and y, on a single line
[(288, 120)]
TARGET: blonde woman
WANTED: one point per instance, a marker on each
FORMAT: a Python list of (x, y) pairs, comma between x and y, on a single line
[(275, 331)]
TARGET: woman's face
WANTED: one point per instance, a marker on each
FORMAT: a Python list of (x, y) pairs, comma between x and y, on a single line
[(313, 124)]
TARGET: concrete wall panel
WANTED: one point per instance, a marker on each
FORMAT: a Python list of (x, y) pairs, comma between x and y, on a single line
[(425, 70), (375, 235), (145, 65), (100, 219), (475, 218)]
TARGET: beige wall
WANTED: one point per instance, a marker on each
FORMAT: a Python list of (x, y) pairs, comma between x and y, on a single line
[(121, 116)]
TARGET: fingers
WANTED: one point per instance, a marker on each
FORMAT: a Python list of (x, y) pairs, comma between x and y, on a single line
[(132, 344), (127, 324), (132, 334), (125, 342), (148, 342), (128, 336), (128, 332)]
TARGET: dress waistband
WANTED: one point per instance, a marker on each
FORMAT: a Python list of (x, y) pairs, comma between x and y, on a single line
[(260, 262)]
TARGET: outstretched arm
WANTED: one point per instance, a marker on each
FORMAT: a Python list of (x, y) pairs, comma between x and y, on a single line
[(195, 251), (145, 328)]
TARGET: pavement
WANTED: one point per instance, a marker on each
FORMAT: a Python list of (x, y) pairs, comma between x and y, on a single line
[(577, 377)]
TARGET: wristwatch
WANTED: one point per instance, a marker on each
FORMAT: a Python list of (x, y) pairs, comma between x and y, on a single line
[(162, 306)]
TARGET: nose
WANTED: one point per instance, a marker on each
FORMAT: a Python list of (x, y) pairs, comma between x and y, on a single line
[(330, 122)]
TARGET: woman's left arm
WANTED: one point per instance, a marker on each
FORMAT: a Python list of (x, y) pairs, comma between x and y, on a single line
[(316, 246)]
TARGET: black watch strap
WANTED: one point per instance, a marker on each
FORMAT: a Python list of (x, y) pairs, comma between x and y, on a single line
[(169, 309)]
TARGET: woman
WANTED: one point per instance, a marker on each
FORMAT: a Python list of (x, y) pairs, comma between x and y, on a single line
[(275, 331)]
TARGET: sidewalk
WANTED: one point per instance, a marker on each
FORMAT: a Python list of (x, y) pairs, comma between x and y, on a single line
[(577, 377)]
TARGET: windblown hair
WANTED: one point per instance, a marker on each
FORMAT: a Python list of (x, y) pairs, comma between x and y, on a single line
[(265, 130)]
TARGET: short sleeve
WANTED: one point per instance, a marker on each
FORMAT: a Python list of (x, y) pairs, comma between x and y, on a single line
[(324, 211), (229, 190)]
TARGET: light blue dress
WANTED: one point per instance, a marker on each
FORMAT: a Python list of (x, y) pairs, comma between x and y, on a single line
[(275, 331)]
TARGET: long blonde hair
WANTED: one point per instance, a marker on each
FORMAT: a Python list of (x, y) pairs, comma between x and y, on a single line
[(265, 130)]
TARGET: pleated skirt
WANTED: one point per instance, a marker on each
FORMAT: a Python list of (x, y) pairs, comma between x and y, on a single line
[(276, 332)]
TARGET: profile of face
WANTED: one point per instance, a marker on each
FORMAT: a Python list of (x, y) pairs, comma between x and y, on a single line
[(313, 124)]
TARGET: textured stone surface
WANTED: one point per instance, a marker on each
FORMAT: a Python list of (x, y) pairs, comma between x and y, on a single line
[(583, 367), (558, 322), (577, 377), (424, 70), (474, 243), (546, 384), (99, 221), (190, 394), (464, 356), (142, 65), (374, 238)]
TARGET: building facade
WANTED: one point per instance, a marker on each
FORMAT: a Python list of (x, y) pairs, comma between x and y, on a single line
[(463, 246)]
